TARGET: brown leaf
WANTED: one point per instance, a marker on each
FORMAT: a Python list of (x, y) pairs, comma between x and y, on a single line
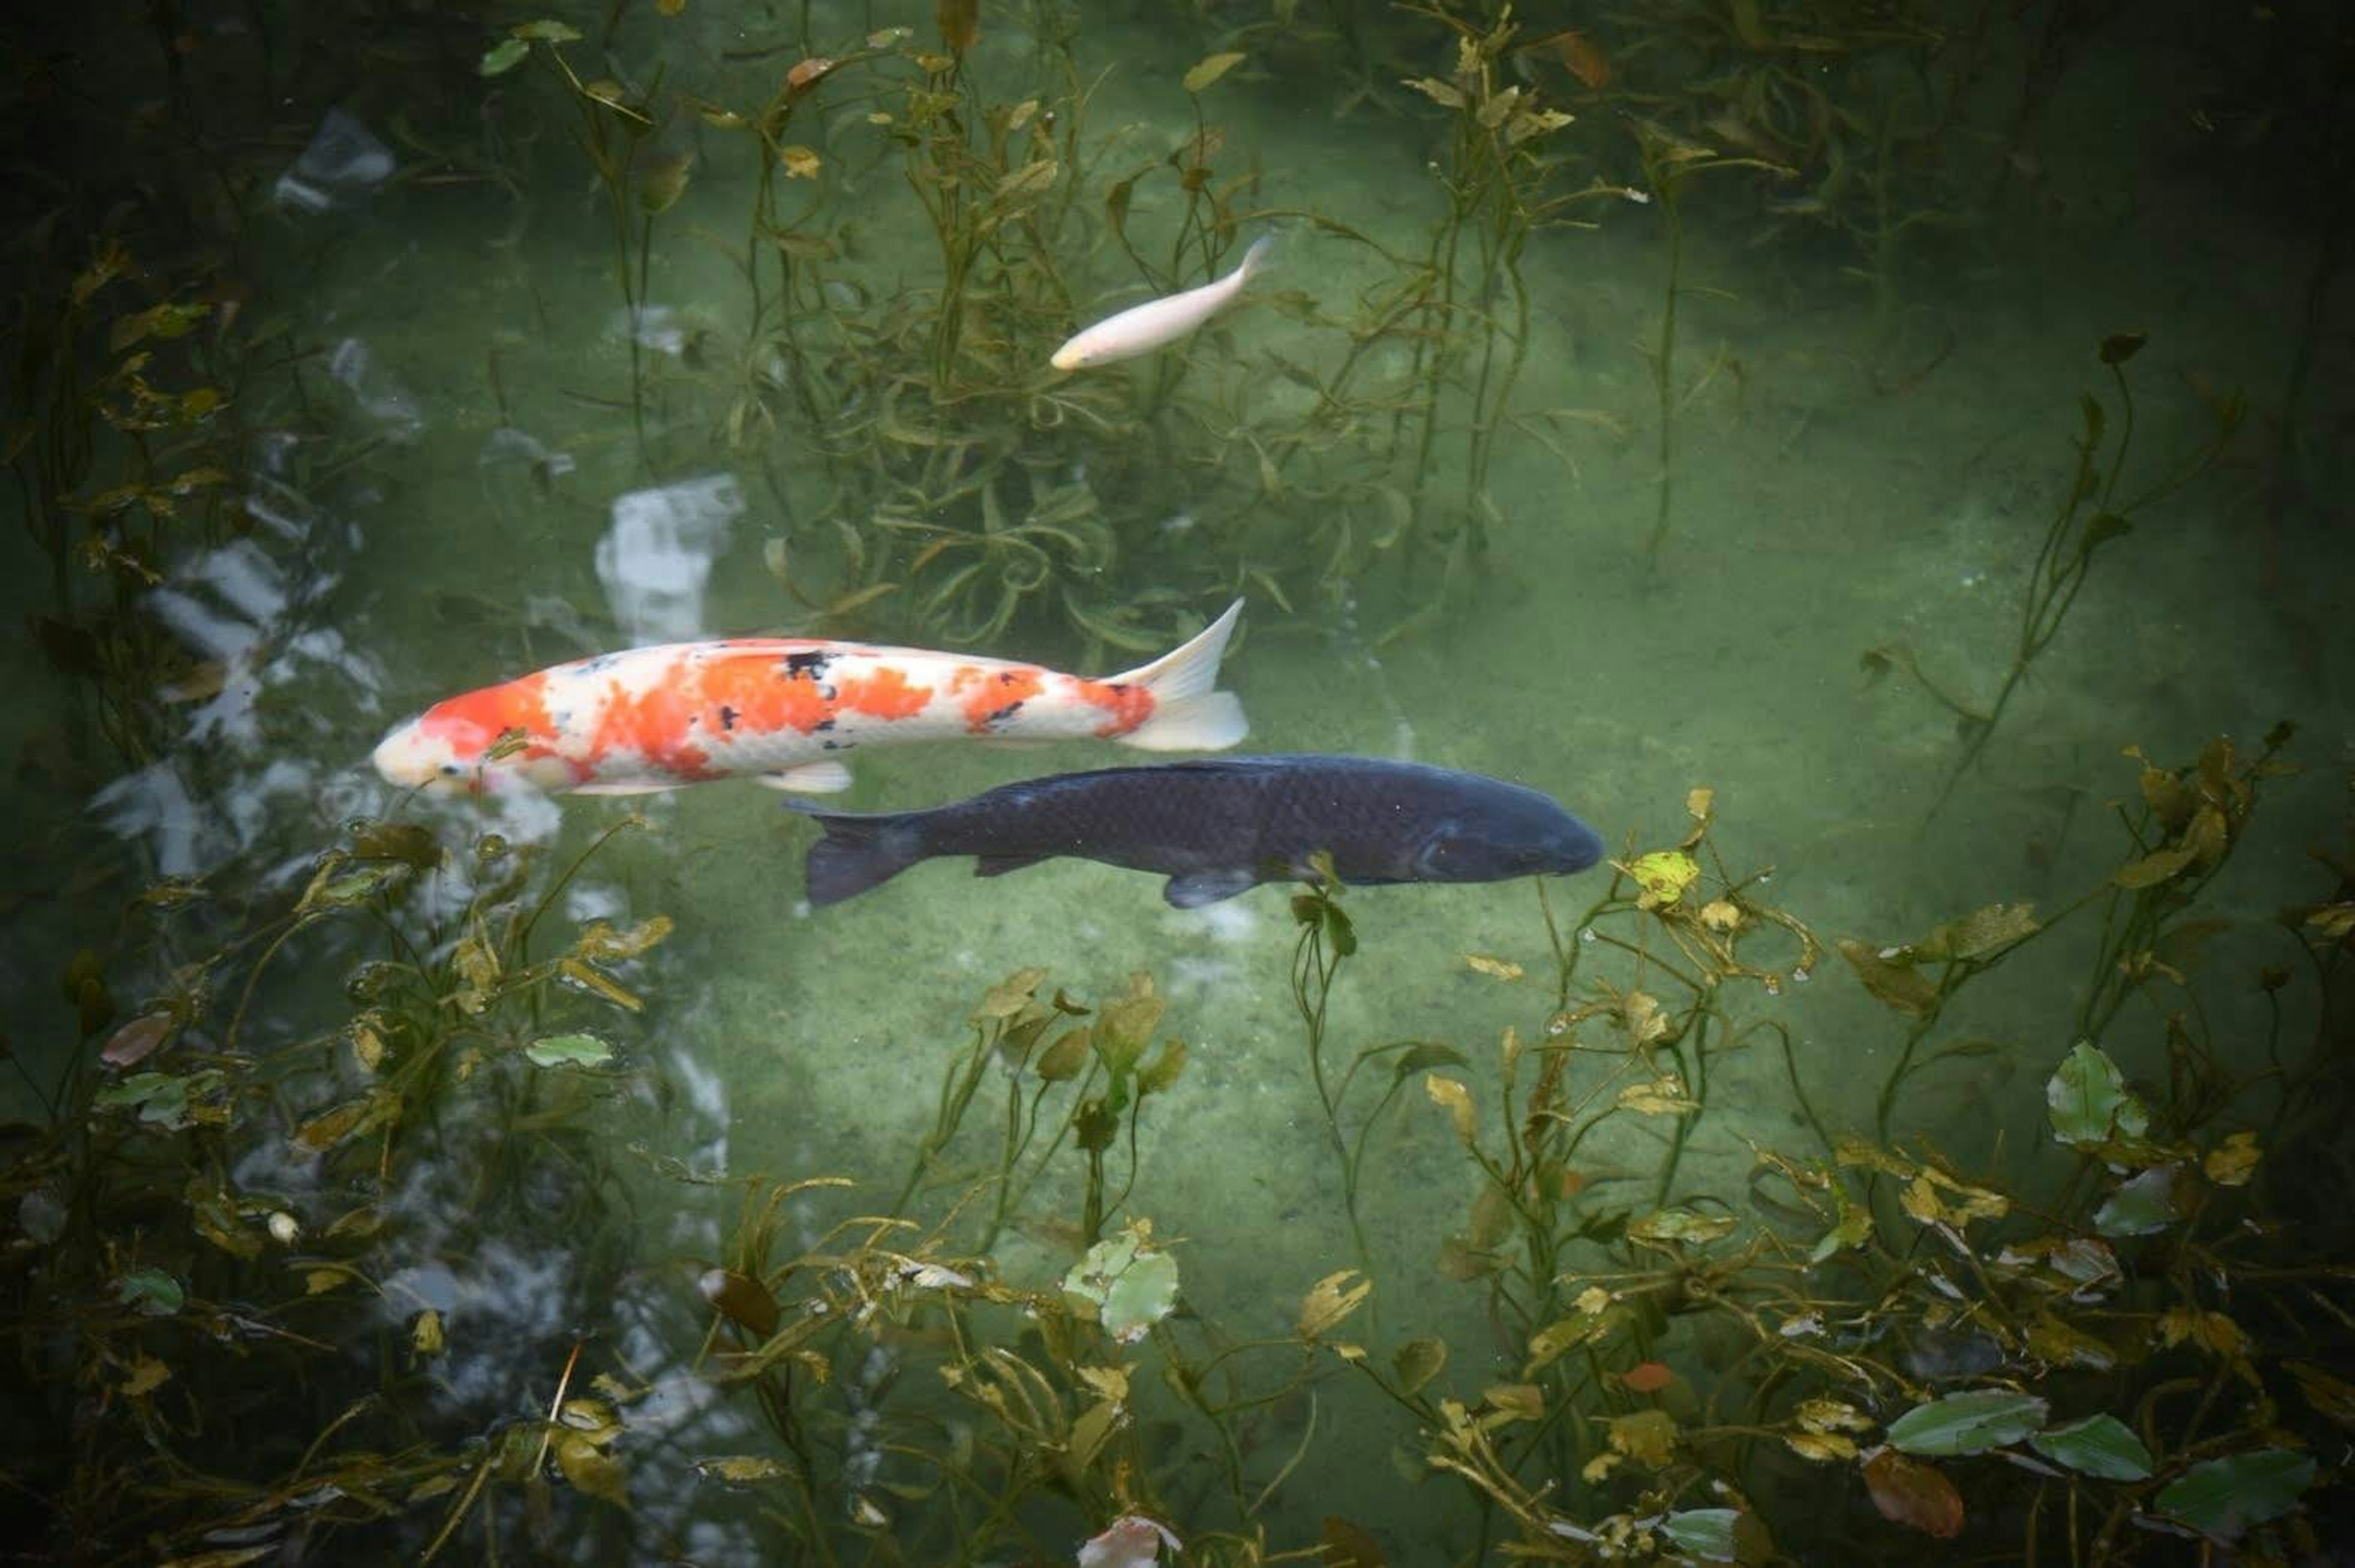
[(1647, 1377), (960, 23), (138, 1040), (1348, 1545), (1909, 1492), (1896, 984)]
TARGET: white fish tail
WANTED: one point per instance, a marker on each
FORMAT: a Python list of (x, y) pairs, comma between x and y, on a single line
[(1189, 713), (1255, 259)]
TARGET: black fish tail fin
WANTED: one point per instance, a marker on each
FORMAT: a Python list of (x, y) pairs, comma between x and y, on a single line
[(859, 853)]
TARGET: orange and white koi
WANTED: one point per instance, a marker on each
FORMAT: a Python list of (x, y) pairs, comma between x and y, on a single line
[(1143, 328), (782, 711)]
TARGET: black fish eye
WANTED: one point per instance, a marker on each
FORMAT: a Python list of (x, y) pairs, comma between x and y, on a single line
[(450, 770)]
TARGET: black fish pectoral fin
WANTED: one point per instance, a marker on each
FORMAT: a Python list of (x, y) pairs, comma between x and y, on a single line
[(998, 865), (1194, 888)]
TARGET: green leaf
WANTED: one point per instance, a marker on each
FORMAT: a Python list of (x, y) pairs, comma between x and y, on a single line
[(1680, 1224), (2098, 1446), (1718, 1535), (1968, 1423), (150, 1292), (2088, 1100), (2143, 1206), (1209, 70), (1417, 1362), (569, 1050), (1131, 1284), (2121, 346), (503, 56), (2224, 1497)]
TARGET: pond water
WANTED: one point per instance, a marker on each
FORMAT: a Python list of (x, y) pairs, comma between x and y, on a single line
[(1821, 385)]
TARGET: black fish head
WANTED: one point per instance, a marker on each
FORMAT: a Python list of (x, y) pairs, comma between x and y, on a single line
[(1506, 831)]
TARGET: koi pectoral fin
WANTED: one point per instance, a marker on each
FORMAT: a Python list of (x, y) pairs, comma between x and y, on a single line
[(626, 786), (810, 778), (1195, 889)]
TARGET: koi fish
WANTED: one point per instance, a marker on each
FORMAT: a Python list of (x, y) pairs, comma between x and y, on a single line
[(1218, 827), (1143, 328), (780, 710)]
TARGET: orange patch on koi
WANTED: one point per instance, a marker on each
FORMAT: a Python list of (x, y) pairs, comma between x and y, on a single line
[(654, 724), (995, 696), (755, 692), (886, 694), (471, 721), (1128, 706)]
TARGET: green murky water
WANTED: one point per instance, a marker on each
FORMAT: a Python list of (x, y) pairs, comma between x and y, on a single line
[(523, 357)]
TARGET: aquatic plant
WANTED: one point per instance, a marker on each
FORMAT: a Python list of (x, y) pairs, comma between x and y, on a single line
[(2095, 510), (229, 1196)]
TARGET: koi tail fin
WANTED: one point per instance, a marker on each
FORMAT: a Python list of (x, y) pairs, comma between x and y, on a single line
[(859, 851), (1189, 713)]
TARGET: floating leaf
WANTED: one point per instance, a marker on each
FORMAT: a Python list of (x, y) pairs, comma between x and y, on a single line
[(1009, 996), (1417, 1362), (1132, 1284), (2153, 869), (1980, 932), (1909, 1492), (589, 1467), (960, 23), (1647, 1377), (2222, 1498), (1331, 1299), (1348, 1545), (1893, 983), (2144, 1205), (1209, 70), (2088, 1100), (2099, 1446), (800, 163), (741, 1299), (150, 1292), (2121, 346), (1457, 1099), (1968, 1423), (1661, 1097), (743, 1470), (1499, 968), (567, 1051), (144, 1035), (1662, 876), (503, 56), (425, 1335), (1681, 1224), (1648, 1437), (1720, 1535), (2233, 1161)]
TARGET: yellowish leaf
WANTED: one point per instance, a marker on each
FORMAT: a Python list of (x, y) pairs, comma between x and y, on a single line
[(1501, 968), (800, 163), (1331, 1299), (1661, 1097), (1823, 1447), (1447, 1092), (1648, 1437), (1209, 70), (2233, 1161)]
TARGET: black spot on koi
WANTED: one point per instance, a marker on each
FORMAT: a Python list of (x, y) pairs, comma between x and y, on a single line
[(727, 717), (810, 663)]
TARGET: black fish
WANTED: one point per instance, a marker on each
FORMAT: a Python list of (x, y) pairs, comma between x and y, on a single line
[(1218, 826)]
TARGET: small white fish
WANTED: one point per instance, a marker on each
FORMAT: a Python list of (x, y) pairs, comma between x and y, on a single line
[(1143, 328)]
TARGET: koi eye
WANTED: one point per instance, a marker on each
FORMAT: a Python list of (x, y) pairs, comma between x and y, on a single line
[(451, 770)]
